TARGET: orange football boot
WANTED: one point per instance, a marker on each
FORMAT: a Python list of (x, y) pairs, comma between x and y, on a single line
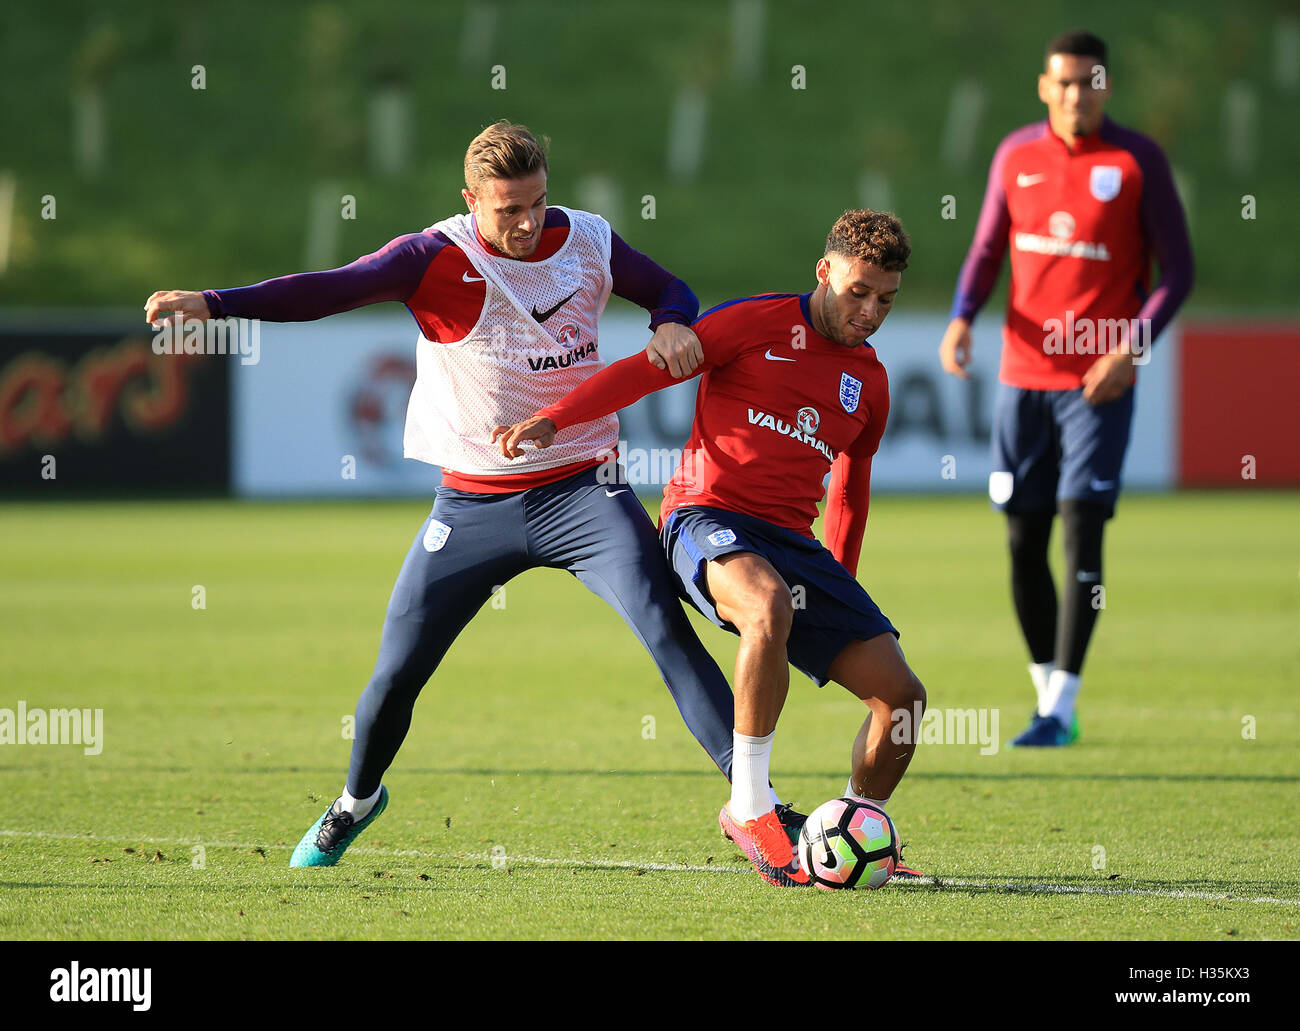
[(765, 842)]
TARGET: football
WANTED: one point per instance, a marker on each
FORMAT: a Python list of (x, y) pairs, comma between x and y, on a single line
[(848, 843)]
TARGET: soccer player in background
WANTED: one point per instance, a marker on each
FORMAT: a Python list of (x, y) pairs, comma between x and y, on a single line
[(791, 390), (507, 299), (1083, 204)]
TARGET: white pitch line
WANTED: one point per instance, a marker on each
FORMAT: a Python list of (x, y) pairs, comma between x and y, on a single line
[(394, 852), (1017, 888), (1011, 887)]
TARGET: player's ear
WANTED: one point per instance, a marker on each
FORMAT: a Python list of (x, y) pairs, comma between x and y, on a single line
[(823, 270), (1042, 88), (471, 201)]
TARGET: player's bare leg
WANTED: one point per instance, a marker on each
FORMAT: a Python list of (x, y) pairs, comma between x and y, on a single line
[(750, 595), (876, 672)]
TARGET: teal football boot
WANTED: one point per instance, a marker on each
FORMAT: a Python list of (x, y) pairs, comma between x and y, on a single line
[(331, 835)]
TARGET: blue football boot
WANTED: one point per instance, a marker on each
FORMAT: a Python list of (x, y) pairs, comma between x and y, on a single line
[(1044, 732)]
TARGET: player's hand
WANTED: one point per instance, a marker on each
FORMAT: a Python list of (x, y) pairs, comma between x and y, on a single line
[(163, 306), (1107, 378), (540, 430), (676, 348), (954, 350)]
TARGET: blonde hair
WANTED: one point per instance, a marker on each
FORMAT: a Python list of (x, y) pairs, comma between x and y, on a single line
[(503, 151)]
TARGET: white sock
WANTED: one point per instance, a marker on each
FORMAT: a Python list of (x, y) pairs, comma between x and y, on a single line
[(751, 796), (358, 807), (1058, 699), (776, 799), (879, 803), (1039, 672)]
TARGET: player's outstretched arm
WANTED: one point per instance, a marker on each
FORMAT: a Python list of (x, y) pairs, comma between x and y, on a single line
[(623, 383), (164, 305), (392, 273)]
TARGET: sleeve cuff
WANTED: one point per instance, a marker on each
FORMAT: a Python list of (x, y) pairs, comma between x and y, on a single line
[(963, 310), (216, 308), (663, 318), (550, 413)]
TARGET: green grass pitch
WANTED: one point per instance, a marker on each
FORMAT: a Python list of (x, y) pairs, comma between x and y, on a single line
[(548, 787)]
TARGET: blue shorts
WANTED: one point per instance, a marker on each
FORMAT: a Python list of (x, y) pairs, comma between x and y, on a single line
[(831, 608), (1052, 445)]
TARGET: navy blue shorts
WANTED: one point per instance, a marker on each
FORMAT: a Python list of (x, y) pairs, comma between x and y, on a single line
[(1052, 445), (831, 608)]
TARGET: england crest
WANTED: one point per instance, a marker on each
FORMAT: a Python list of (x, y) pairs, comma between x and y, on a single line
[(1104, 182), (850, 392), (721, 538), (436, 535)]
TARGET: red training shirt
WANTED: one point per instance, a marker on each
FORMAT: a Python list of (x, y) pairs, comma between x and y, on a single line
[(1082, 226), (778, 407)]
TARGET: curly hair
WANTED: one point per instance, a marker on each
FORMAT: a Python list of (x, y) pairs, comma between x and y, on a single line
[(876, 237), (503, 151)]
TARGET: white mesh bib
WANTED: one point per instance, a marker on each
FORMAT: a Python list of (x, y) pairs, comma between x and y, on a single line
[(535, 340)]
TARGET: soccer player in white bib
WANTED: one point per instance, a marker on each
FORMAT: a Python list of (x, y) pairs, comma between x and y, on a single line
[(508, 298)]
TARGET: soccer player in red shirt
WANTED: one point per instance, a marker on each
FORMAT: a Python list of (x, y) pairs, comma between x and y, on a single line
[(790, 391), (1084, 205)]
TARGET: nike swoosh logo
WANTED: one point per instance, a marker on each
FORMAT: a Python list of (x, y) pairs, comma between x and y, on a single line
[(466, 277), (542, 316), (1086, 578), (1101, 484), (1029, 180), (777, 358), (614, 493)]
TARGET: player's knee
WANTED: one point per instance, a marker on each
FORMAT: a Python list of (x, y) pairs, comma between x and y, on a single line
[(904, 690), (395, 682), (916, 691), (1084, 525), (1028, 536), (767, 615)]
